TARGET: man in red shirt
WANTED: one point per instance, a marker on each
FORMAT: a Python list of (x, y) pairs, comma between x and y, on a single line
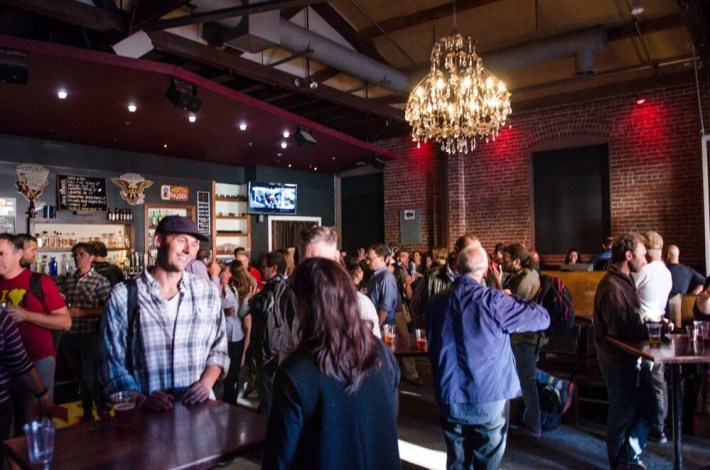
[(35, 319)]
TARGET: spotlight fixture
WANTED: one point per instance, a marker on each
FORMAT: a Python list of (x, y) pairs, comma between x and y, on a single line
[(637, 8), (192, 118), (286, 134), (62, 94), (377, 163), (132, 108), (640, 99), (284, 145), (304, 138), (183, 95), (242, 126)]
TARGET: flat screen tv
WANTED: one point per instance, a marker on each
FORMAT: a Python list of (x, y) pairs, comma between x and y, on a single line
[(272, 198)]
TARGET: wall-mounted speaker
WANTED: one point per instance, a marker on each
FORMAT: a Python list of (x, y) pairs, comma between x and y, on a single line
[(184, 96), (304, 138), (377, 163)]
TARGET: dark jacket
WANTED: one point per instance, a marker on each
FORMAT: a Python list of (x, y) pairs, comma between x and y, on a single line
[(314, 424), (468, 327), (616, 314)]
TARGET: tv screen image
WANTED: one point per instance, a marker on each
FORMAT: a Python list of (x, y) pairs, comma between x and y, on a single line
[(272, 198)]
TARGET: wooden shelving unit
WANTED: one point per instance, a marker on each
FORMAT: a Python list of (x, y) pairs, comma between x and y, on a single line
[(231, 225)]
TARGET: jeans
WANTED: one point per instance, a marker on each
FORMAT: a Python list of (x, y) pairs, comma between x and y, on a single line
[(526, 366), (265, 385), (22, 398), (235, 350), (82, 355), (632, 408), (5, 424), (660, 390), (476, 446)]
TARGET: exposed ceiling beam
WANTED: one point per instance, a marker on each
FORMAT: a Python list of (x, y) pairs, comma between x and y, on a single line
[(345, 29), (72, 12), (324, 74), (628, 30), (231, 12), (425, 16), (693, 14), (147, 12), (193, 51)]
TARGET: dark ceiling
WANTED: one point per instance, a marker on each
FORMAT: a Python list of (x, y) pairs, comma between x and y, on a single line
[(70, 41)]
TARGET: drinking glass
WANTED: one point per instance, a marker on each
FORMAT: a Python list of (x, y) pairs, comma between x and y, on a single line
[(389, 334), (654, 334), (124, 407), (40, 441), (421, 339)]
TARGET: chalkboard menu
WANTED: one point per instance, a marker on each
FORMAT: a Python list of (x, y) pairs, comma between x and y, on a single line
[(81, 193)]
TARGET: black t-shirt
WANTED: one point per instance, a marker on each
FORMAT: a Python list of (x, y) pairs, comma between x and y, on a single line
[(696, 313), (684, 278)]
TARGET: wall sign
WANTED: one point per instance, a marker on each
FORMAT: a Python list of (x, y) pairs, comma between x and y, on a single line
[(31, 180), (81, 193), (174, 193), (203, 213), (8, 211), (132, 186)]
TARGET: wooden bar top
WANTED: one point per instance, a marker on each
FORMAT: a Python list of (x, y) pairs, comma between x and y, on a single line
[(674, 349), (197, 436), (406, 346)]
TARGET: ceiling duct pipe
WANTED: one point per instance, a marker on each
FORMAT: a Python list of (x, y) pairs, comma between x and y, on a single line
[(581, 44), (256, 32), (261, 31)]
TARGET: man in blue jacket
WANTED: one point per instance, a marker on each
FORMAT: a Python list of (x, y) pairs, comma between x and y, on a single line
[(468, 328)]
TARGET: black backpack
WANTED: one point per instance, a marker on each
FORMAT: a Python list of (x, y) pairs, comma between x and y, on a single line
[(35, 289), (557, 300)]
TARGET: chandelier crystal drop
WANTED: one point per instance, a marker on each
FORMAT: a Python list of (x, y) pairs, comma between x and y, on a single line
[(458, 102)]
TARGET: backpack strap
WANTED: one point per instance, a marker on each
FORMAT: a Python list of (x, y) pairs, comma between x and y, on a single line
[(131, 313), (35, 289)]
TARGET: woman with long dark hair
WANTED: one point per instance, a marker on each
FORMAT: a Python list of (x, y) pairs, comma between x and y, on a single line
[(335, 397)]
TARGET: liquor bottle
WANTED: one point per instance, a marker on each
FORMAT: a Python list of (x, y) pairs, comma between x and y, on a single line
[(44, 265), (109, 214), (53, 268)]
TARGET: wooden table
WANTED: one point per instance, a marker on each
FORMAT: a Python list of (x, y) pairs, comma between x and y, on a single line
[(674, 352), (406, 346), (197, 436)]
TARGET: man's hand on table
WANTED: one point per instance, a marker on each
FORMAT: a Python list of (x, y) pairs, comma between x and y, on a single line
[(156, 401)]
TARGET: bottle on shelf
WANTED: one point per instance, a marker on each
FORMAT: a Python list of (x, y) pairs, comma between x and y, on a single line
[(44, 265), (66, 264), (53, 268), (109, 214), (40, 241)]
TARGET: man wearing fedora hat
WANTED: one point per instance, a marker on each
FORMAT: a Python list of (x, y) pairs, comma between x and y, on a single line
[(169, 342)]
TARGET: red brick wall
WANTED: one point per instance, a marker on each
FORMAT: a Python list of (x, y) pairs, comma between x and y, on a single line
[(654, 165)]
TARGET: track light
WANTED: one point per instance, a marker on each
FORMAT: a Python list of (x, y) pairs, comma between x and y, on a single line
[(637, 8), (304, 138)]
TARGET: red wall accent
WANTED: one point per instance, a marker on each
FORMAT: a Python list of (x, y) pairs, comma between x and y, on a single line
[(654, 166)]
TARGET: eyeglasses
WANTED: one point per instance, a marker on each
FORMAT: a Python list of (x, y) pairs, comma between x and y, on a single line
[(371, 258)]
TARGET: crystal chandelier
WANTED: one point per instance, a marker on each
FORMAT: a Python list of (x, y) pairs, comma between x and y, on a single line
[(458, 102)]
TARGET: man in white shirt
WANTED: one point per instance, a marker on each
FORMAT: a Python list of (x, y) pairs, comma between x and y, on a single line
[(654, 283), (319, 241)]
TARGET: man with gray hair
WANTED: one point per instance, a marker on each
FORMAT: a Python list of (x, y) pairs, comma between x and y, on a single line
[(322, 242), (468, 328), (654, 283)]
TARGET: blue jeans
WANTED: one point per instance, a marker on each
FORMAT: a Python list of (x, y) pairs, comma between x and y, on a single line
[(632, 407), (22, 398), (526, 366), (476, 446)]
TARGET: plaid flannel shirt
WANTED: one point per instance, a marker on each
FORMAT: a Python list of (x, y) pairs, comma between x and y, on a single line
[(88, 291), (167, 357)]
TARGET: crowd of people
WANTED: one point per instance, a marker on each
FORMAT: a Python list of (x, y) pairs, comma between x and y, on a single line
[(303, 332)]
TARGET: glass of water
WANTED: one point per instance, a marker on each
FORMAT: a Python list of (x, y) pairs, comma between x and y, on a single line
[(40, 441)]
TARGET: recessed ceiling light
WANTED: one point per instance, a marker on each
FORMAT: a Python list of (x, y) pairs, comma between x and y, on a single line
[(286, 134), (315, 168), (165, 146), (279, 154), (132, 108), (284, 145), (289, 165), (242, 126), (62, 94), (192, 118)]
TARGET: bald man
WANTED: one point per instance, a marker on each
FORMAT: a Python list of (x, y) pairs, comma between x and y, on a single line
[(686, 280)]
